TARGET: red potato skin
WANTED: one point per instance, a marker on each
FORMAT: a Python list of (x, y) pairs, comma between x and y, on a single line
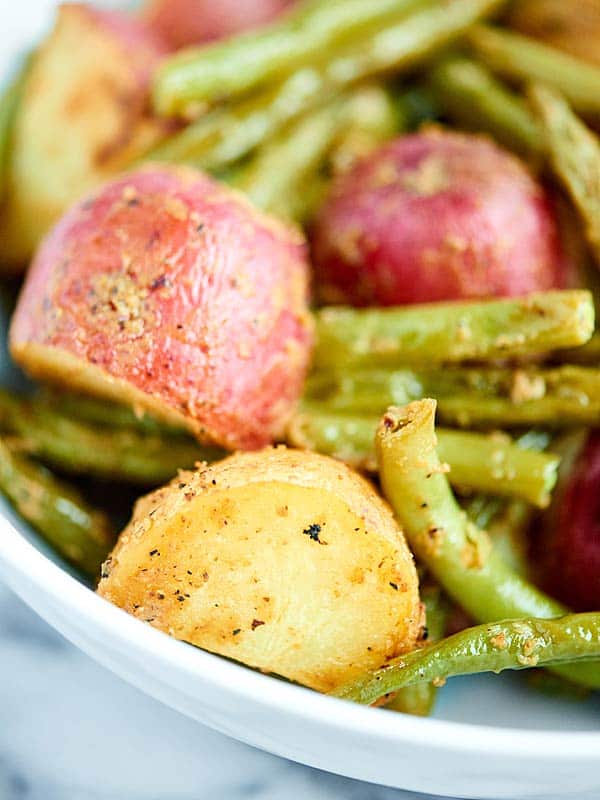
[(146, 45), (183, 23), (174, 284), (436, 216), (569, 557)]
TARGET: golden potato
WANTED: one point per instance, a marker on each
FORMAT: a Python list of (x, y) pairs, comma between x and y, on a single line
[(285, 560), (82, 118)]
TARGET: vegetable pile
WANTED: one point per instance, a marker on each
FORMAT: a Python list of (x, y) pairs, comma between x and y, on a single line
[(172, 187)]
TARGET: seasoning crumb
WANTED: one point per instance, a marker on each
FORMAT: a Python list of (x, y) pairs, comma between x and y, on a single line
[(394, 586), (313, 531), (256, 623), (499, 641), (236, 631)]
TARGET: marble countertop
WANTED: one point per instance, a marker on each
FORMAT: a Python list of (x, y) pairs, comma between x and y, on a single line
[(70, 730)]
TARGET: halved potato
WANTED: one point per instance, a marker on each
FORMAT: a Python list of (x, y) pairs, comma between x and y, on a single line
[(82, 117), (169, 292), (285, 560)]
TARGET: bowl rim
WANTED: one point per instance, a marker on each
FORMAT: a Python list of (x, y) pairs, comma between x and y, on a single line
[(21, 559)]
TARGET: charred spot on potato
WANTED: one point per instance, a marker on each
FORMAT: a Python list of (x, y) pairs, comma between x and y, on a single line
[(313, 532)]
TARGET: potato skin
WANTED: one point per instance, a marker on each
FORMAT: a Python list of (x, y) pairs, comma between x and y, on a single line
[(285, 560), (83, 116), (566, 549), (435, 216), (170, 291), (190, 22)]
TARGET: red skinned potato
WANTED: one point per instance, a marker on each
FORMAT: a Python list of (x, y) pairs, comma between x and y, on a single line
[(169, 292), (436, 216), (189, 22), (83, 116), (567, 545)]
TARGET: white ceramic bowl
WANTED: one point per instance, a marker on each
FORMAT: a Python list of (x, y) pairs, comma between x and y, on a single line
[(491, 738)]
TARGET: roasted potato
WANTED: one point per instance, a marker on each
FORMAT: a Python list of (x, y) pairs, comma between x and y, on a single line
[(566, 545), (190, 22), (82, 117), (282, 559), (435, 216), (169, 292)]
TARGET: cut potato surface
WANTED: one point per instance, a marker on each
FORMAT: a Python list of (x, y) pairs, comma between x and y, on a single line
[(170, 293), (82, 119), (284, 560)]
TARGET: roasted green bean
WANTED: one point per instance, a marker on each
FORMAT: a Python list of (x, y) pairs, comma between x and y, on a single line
[(449, 332), (78, 447), (372, 118), (470, 397), (225, 135), (493, 647), (104, 413), (523, 59), (276, 174), (78, 532), (574, 153), (459, 555), (471, 96), (492, 464), (397, 46), (235, 66)]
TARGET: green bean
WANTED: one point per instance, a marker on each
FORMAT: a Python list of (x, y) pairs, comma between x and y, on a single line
[(493, 647), (372, 118), (104, 413), (492, 464), (77, 447), (574, 153), (439, 333), (225, 135), (9, 102), (238, 65), (398, 46), (278, 171), (475, 99), (419, 699), (469, 397), (523, 59), (80, 533), (508, 531), (483, 509), (459, 555)]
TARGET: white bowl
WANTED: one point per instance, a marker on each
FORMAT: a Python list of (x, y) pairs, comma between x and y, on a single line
[(492, 738)]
